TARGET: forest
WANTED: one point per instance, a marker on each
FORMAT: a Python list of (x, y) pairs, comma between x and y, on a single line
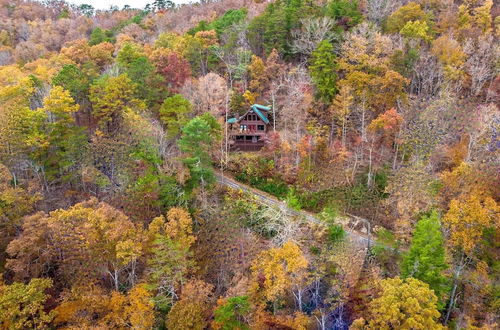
[(373, 203)]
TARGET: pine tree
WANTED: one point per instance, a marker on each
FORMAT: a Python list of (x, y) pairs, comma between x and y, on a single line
[(426, 258), (198, 137), (323, 70)]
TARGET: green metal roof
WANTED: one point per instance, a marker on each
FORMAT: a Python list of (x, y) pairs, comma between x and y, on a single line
[(257, 108), (261, 115), (260, 107)]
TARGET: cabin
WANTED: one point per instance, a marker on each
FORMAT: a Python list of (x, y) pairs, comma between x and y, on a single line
[(249, 131)]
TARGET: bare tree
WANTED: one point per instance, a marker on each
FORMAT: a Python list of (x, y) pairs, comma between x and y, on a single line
[(482, 56), (312, 32), (378, 10)]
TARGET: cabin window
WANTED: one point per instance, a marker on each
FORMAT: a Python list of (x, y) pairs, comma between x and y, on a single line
[(251, 127), (260, 127), (248, 138), (243, 127), (239, 137)]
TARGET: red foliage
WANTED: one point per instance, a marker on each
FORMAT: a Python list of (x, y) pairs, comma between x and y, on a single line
[(173, 67)]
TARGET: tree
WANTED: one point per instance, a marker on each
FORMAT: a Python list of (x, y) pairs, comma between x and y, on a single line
[(72, 79), (468, 217), (111, 97), (15, 202), (426, 259), (192, 310), (345, 12), (89, 240), (341, 108), (129, 53), (90, 306), (231, 313), (99, 35), (174, 113), (172, 66), (410, 12), (198, 138), (22, 306), (65, 139), (258, 79), (450, 54), (171, 258), (149, 82), (402, 304), (416, 30), (212, 93), (273, 28), (323, 70), (87, 10), (276, 270)]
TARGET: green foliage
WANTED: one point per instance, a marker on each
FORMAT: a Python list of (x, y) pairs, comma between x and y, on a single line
[(273, 186), (403, 62), (174, 113), (231, 315), (336, 233), (292, 200), (99, 35), (410, 12), (323, 70), (329, 214), (87, 10), (149, 84), (416, 30), (426, 258), (202, 26), (72, 79), (197, 140), (129, 53), (64, 14), (22, 306), (230, 17), (346, 12), (273, 29)]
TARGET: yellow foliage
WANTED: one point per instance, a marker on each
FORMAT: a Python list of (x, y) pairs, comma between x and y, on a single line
[(90, 306), (467, 218), (60, 102), (180, 227), (250, 97), (403, 304), (276, 270), (450, 54)]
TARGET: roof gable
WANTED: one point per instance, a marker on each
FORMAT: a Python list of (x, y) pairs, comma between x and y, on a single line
[(258, 109)]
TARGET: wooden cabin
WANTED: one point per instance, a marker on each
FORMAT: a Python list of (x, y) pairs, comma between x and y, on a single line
[(249, 131)]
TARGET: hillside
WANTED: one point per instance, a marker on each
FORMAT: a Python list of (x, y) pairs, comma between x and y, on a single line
[(238, 164)]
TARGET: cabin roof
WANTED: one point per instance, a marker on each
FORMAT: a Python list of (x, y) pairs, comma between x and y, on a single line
[(258, 109)]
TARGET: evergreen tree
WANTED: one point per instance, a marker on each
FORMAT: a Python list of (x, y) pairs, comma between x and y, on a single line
[(323, 70), (198, 137), (174, 113), (231, 313), (99, 35), (72, 79), (426, 258)]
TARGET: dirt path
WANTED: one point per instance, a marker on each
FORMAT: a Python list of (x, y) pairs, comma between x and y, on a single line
[(356, 237)]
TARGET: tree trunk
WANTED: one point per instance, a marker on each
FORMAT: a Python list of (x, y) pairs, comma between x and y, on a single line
[(456, 275)]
